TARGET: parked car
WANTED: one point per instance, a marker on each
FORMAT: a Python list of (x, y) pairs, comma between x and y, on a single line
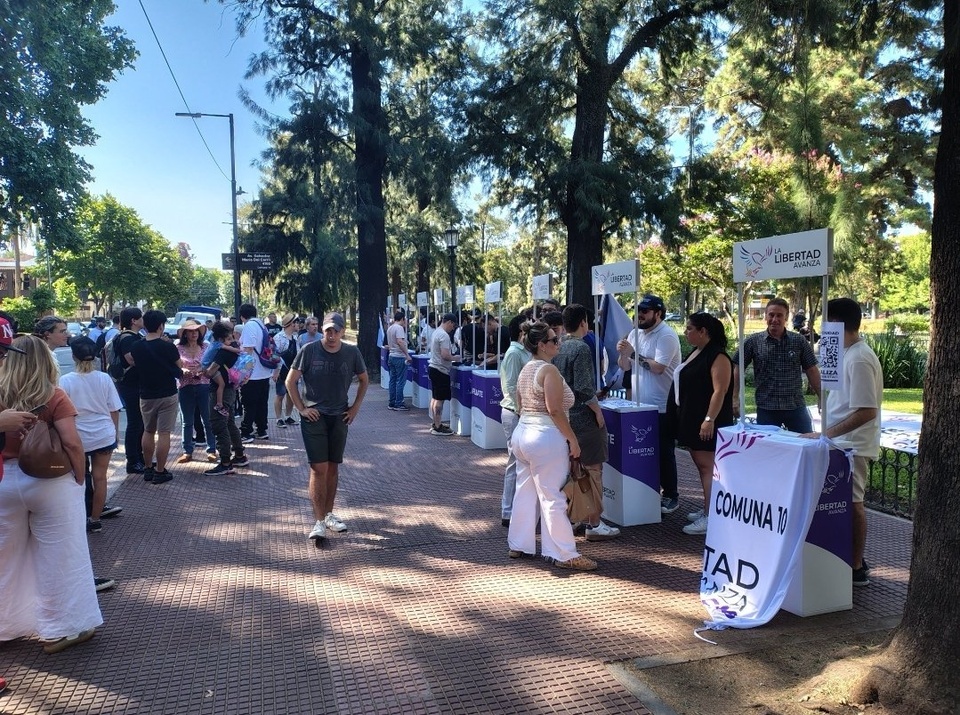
[(75, 329), (64, 358), (673, 317)]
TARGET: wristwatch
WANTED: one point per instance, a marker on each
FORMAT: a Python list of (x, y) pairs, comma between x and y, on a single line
[(708, 418)]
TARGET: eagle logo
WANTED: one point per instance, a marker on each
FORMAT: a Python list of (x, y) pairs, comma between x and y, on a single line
[(639, 433), (754, 259)]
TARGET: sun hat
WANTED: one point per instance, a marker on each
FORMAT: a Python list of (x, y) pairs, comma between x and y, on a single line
[(7, 335), (288, 319), (191, 324)]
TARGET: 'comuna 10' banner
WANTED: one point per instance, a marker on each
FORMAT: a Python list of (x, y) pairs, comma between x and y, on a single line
[(766, 485)]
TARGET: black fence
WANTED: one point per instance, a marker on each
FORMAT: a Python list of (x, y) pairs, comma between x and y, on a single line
[(891, 485)]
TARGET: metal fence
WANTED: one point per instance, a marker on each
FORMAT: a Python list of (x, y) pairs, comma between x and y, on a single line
[(891, 485)]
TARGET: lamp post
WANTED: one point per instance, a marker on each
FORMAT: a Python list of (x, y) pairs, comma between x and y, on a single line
[(452, 237), (233, 199)]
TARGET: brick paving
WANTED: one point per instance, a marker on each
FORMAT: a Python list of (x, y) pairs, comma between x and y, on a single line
[(223, 606)]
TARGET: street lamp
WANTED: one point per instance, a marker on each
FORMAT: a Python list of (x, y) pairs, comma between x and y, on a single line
[(233, 199), (452, 237)]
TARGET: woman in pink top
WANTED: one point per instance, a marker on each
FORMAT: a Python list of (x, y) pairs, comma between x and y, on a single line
[(194, 392), (543, 443)]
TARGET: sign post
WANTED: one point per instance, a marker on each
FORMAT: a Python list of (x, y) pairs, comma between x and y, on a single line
[(542, 289), (487, 430)]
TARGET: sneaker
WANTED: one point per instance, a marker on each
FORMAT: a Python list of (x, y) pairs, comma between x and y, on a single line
[(401, 408), (281, 424), (148, 474), (110, 511), (102, 584), (262, 436), (334, 523), (668, 505), (219, 469), (184, 458), (602, 532), (161, 477), (319, 531), (505, 522), (63, 643), (240, 461), (515, 554), (94, 527), (291, 421), (861, 576), (579, 563), (440, 432), (391, 408), (694, 515), (697, 527), (135, 468), (246, 439)]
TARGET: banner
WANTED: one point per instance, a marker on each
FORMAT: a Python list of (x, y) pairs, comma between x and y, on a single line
[(465, 294), (494, 292), (793, 255), (423, 299), (831, 356), (766, 485), (402, 301), (542, 286), (613, 324), (621, 277), (438, 296)]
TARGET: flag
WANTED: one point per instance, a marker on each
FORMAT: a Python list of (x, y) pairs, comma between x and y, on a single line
[(613, 324)]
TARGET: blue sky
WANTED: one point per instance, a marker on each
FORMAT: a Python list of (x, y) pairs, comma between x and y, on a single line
[(155, 162)]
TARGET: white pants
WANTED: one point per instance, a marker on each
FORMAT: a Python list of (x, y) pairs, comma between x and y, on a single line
[(46, 580), (542, 466)]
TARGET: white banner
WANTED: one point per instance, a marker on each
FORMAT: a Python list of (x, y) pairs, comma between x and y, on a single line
[(423, 299), (465, 294), (438, 296), (493, 292), (402, 300), (831, 356), (542, 286), (766, 486), (621, 277), (793, 255)]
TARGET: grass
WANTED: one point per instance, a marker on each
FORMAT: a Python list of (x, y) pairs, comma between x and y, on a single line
[(899, 399)]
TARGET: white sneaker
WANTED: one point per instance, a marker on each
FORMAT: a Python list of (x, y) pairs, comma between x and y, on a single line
[(334, 523), (697, 527), (319, 531), (694, 515), (602, 532)]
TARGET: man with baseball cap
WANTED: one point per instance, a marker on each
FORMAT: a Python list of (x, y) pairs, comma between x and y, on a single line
[(441, 360), (327, 368), (7, 334), (658, 349)]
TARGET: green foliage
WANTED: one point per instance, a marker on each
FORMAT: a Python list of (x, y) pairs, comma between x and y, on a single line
[(56, 58), (902, 362), (23, 309), (908, 287)]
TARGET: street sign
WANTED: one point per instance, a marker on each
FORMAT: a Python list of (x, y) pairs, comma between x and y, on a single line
[(249, 261)]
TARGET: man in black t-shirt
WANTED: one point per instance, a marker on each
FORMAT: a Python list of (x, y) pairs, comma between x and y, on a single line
[(131, 320), (158, 365), (225, 430)]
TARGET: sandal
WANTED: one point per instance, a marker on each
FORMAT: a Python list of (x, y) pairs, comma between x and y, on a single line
[(55, 646), (579, 563)]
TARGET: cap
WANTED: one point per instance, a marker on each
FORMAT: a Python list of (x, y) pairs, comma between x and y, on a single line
[(448, 316), (7, 335), (83, 349), (652, 302), (287, 319), (191, 324), (333, 320)]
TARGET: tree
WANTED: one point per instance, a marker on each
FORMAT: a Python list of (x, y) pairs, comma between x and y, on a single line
[(55, 61), (909, 287)]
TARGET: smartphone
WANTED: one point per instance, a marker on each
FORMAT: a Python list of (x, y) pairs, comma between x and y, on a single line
[(38, 410)]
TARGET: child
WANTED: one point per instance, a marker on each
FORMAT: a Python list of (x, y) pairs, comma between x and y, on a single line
[(219, 337)]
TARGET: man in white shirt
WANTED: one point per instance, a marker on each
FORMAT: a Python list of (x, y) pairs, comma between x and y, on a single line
[(853, 417), (255, 394), (658, 349)]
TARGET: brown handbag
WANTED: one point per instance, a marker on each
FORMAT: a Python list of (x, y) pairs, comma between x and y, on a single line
[(41, 452), (580, 498)]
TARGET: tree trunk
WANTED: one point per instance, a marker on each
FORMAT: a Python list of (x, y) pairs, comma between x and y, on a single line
[(918, 673), (583, 214), (370, 129)]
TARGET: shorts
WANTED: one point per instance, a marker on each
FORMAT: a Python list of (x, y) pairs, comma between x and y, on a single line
[(102, 450), (861, 468), (160, 414), (281, 387), (325, 439), (440, 384)]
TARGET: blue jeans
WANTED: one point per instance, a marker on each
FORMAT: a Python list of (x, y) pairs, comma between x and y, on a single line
[(192, 398), (795, 420), (398, 380)]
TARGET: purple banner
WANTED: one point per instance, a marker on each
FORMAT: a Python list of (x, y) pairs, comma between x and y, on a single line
[(461, 384), (384, 357), (486, 393), (633, 439), (832, 525), (422, 363)]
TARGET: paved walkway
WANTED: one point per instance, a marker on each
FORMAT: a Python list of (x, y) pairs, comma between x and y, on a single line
[(223, 606)]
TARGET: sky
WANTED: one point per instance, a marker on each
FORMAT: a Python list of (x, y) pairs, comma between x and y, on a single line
[(155, 162)]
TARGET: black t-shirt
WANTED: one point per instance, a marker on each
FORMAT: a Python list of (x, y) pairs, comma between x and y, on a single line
[(225, 359), (126, 341), (472, 337), (156, 362)]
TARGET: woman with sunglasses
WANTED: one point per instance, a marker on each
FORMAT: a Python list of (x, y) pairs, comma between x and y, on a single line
[(543, 443), (46, 579)]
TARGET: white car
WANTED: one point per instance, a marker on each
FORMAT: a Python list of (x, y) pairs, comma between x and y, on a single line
[(75, 329), (64, 358)]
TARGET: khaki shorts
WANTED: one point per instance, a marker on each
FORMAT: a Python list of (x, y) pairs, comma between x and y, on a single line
[(861, 468), (160, 414)]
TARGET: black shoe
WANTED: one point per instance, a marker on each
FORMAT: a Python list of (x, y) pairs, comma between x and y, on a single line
[(861, 576), (103, 584), (246, 439), (291, 421), (148, 474), (94, 526), (262, 436), (282, 424), (505, 523), (219, 470), (240, 461), (135, 468), (161, 477), (110, 511)]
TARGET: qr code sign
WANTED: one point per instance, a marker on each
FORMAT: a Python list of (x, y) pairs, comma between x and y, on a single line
[(829, 352)]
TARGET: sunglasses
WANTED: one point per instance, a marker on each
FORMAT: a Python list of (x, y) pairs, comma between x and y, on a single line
[(554, 340)]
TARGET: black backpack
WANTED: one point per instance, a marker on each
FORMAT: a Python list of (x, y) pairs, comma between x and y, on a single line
[(117, 365), (290, 353)]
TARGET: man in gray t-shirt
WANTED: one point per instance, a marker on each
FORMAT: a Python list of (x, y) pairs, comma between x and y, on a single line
[(327, 367)]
